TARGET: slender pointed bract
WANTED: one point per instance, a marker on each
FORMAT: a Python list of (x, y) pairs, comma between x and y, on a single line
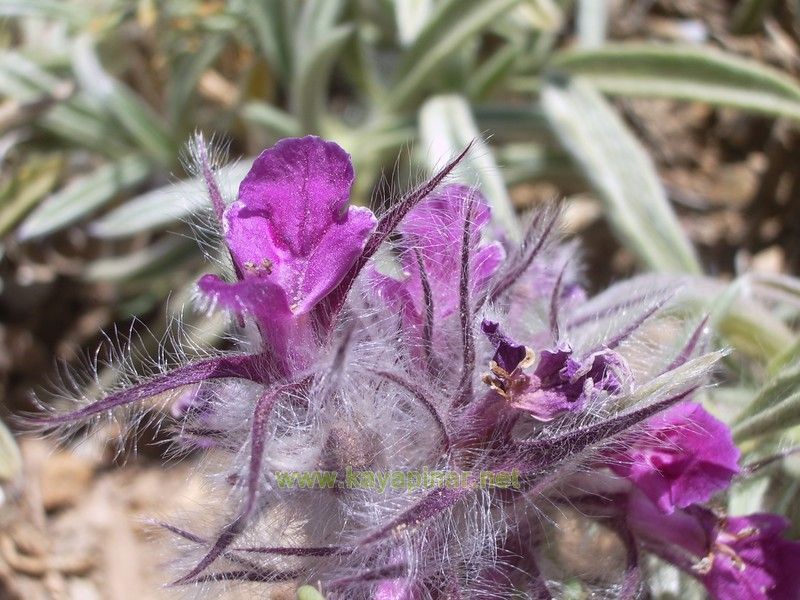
[(246, 367)]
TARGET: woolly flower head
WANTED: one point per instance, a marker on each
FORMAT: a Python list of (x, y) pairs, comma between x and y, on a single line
[(407, 421)]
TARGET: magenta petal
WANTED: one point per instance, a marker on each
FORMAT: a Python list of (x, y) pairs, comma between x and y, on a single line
[(262, 298), (432, 237), (749, 559), (767, 565), (291, 224), (436, 227), (684, 457)]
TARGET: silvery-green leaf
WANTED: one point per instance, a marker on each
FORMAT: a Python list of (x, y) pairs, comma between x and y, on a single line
[(622, 174), (310, 81), (684, 72), (52, 9), (73, 117), (271, 23), (411, 16), (591, 19), (276, 121), (84, 195), (453, 23), (31, 182), (748, 496), (493, 71), (187, 72), (781, 415), (446, 128), (135, 117), (169, 204), (543, 15), (517, 123), (152, 260)]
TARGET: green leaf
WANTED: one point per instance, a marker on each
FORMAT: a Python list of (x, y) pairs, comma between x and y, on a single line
[(453, 24), (592, 21), (130, 111), (309, 87), (622, 174), (773, 392), (521, 123), (411, 16), (446, 128), (31, 182), (84, 195), (277, 122), (10, 457), (51, 9), (785, 413), (152, 261), (686, 73), (161, 207), (270, 22), (493, 71), (307, 592), (75, 118), (538, 162), (187, 72)]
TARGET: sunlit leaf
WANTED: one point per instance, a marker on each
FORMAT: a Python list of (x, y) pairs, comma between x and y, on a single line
[(153, 260), (130, 111), (166, 205), (446, 128), (686, 73), (31, 182), (454, 22), (85, 195), (622, 174)]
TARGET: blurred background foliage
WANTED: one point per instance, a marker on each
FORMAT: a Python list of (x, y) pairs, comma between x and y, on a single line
[(669, 126)]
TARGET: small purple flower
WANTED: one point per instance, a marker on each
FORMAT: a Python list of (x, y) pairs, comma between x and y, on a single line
[(558, 384), (682, 457), (745, 558)]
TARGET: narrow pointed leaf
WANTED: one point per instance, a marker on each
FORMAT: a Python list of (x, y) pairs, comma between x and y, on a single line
[(84, 196), (446, 127), (163, 206), (455, 22), (310, 83), (136, 118), (622, 174), (686, 73)]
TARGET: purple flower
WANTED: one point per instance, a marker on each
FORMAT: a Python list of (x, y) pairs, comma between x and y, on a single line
[(682, 457), (291, 235), (558, 384), (431, 262), (745, 558)]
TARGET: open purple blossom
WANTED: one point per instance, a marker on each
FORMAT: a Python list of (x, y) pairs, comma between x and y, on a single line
[(745, 557), (356, 371), (684, 455), (291, 236), (558, 383)]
